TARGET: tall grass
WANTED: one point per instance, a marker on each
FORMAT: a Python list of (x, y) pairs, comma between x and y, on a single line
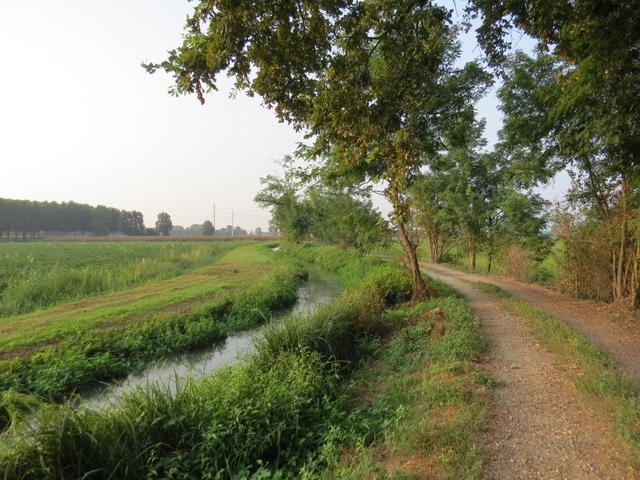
[(53, 373), (36, 275), (266, 414), (418, 407)]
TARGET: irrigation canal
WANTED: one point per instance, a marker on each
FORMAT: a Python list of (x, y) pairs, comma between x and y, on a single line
[(318, 289)]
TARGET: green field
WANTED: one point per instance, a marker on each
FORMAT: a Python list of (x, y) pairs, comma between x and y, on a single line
[(356, 387), (40, 275), (55, 351)]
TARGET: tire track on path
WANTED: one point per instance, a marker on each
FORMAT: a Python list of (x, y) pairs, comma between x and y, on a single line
[(613, 330), (538, 426)]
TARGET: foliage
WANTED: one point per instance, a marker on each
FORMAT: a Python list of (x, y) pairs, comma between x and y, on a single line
[(29, 217), (325, 213), (469, 197), (289, 214), (606, 181), (373, 83), (339, 218), (132, 223), (207, 228), (164, 224)]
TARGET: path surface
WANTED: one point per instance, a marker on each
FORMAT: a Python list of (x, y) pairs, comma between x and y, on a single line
[(539, 428), (613, 331)]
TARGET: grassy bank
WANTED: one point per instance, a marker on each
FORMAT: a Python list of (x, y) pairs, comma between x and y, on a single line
[(40, 275), (91, 355), (304, 403), (593, 372)]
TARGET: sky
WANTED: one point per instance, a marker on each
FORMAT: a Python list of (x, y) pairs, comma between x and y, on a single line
[(81, 120)]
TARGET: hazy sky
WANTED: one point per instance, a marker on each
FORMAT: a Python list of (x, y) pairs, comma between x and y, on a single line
[(81, 120)]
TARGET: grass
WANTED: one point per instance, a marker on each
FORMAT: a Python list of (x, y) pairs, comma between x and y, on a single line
[(364, 374), (39, 275), (418, 406), (596, 375), (243, 265), (251, 283)]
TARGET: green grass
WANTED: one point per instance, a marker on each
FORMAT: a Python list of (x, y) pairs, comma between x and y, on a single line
[(249, 285), (40, 275), (596, 376), (418, 405), (244, 265), (295, 407)]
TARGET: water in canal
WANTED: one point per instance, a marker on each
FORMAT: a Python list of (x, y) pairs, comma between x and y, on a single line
[(318, 289)]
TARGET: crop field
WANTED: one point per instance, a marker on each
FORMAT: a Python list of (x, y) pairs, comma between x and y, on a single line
[(54, 351), (39, 275)]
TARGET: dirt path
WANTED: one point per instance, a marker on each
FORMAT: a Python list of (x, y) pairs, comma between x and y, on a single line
[(539, 428), (608, 329)]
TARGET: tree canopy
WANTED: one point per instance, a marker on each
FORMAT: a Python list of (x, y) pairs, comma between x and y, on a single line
[(373, 84)]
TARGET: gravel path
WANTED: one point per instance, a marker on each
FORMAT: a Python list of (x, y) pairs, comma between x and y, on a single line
[(613, 330), (539, 428)]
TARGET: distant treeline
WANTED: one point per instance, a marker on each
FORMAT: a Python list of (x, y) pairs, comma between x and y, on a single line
[(23, 218)]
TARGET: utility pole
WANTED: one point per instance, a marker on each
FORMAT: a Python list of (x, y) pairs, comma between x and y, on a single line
[(214, 216), (232, 225)]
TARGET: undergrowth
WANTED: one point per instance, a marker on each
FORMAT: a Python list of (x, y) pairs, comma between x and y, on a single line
[(52, 374), (364, 375)]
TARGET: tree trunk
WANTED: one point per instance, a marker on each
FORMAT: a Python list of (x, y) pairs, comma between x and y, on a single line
[(472, 254), (490, 261), (420, 288), (619, 290)]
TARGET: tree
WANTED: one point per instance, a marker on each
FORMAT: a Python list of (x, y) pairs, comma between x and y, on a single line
[(282, 195), (28, 217), (164, 224), (339, 217), (132, 223), (373, 83), (207, 228), (543, 120), (434, 216)]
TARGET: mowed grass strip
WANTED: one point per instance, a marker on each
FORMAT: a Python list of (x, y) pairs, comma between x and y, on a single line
[(246, 264), (591, 369)]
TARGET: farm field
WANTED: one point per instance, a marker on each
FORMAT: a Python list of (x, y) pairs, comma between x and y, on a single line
[(52, 352), (39, 275), (236, 265)]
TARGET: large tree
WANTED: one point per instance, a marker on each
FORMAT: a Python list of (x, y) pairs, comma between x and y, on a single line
[(373, 83), (578, 105), (132, 223), (164, 223), (207, 228)]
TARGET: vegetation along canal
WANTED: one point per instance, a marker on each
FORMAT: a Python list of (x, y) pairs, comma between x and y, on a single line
[(319, 288)]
